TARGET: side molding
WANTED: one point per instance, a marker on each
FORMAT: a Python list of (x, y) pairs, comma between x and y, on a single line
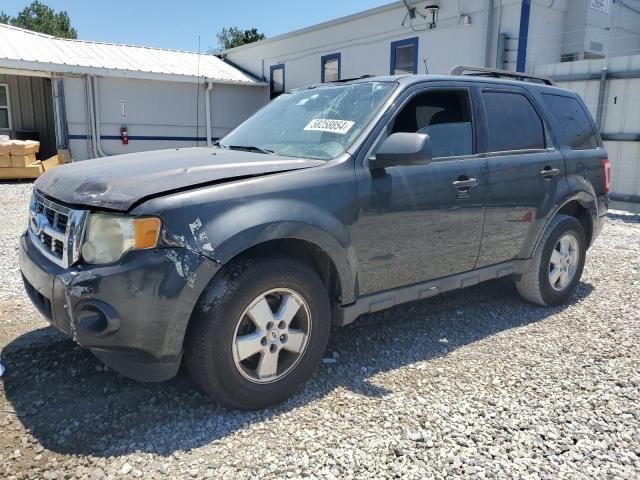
[(381, 301)]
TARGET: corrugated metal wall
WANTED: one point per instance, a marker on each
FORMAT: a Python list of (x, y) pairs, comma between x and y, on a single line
[(32, 110)]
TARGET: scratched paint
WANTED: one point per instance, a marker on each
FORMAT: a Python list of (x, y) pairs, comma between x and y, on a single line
[(200, 235)]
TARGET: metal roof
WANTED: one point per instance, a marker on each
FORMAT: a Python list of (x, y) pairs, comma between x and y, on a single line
[(26, 50)]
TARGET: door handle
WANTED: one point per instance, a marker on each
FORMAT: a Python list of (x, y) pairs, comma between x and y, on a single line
[(465, 184), (549, 172)]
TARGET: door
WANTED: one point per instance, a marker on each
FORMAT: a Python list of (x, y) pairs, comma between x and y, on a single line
[(525, 170), (421, 222)]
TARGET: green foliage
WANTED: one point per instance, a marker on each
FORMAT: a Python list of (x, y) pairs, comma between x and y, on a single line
[(41, 18), (234, 37)]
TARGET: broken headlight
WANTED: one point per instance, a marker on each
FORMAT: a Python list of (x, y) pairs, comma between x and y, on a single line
[(108, 237)]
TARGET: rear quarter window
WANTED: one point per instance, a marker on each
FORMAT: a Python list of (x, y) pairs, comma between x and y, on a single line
[(575, 124), (513, 122)]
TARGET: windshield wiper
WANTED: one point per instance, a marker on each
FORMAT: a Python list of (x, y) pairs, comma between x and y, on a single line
[(251, 148)]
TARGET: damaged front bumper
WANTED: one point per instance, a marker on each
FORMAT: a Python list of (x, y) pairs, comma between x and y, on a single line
[(132, 315)]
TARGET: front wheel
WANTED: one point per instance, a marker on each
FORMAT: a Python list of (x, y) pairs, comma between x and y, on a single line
[(556, 267), (259, 332)]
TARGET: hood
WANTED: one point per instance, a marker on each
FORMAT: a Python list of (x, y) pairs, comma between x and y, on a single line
[(119, 182)]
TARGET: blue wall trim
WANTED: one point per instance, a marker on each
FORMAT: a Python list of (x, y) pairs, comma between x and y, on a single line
[(523, 36), (403, 43), (326, 58), (284, 84), (146, 137)]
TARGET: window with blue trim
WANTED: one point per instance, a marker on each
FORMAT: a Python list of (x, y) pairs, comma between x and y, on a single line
[(330, 68), (404, 56), (276, 83)]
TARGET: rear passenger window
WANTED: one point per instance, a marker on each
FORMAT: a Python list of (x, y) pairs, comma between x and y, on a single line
[(513, 122), (443, 115), (574, 121)]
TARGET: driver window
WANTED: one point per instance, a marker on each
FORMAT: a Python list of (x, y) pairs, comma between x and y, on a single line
[(445, 116)]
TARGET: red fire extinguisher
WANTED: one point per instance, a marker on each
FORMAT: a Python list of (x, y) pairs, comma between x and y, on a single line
[(124, 134)]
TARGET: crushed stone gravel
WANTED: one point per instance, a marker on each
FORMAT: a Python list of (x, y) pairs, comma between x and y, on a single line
[(472, 384)]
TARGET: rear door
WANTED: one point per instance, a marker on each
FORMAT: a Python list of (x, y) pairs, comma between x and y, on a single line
[(577, 139), (524, 172)]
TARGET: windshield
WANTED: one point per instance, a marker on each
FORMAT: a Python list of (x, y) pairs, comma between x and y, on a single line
[(319, 123)]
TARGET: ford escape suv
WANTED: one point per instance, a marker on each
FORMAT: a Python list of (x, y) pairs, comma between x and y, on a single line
[(332, 201)]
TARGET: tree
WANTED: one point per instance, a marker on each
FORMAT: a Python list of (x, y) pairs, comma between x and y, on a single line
[(234, 37), (41, 18)]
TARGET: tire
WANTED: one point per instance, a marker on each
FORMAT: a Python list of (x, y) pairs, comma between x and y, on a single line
[(232, 311), (536, 284)]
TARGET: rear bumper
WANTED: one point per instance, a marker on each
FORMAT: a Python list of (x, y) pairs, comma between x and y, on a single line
[(132, 315)]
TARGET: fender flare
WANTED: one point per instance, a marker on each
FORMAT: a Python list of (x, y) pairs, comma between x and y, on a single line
[(586, 199), (343, 257)]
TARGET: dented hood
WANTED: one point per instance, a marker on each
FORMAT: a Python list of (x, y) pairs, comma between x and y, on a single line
[(119, 182)]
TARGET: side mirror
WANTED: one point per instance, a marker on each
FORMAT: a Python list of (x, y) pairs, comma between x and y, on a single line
[(401, 149)]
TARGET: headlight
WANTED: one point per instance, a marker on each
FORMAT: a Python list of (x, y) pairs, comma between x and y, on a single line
[(108, 237)]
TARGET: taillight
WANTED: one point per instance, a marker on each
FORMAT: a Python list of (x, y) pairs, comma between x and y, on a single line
[(606, 175)]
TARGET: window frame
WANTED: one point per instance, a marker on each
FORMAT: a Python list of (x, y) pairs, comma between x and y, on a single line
[(279, 66), (414, 42), (432, 89), (326, 58), (8, 107), (564, 139), (549, 145)]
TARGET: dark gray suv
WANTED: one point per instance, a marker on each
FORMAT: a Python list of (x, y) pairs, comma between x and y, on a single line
[(333, 201)]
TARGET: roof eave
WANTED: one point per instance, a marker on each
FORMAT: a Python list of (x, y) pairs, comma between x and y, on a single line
[(53, 68)]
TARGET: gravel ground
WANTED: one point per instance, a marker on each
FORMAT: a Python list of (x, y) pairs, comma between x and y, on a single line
[(470, 384)]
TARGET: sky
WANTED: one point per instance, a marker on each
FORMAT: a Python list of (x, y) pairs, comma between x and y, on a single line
[(177, 24)]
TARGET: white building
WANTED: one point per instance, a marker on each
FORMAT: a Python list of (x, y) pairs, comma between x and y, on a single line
[(568, 40), (415, 37), (82, 96)]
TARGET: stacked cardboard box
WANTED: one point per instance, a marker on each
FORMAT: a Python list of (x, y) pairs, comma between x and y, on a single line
[(18, 160)]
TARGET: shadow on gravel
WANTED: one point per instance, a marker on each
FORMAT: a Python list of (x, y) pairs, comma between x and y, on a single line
[(71, 406), (626, 218)]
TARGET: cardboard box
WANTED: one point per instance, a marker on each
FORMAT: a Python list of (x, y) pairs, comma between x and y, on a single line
[(5, 148), (14, 173), (23, 160), (5, 161), (24, 147), (52, 162)]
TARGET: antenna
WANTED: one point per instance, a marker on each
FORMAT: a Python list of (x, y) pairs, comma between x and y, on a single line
[(198, 98)]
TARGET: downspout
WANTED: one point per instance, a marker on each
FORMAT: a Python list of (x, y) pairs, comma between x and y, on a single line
[(207, 97), (92, 117), (96, 111), (601, 91), (89, 122), (488, 23), (523, 35), (499, 54)]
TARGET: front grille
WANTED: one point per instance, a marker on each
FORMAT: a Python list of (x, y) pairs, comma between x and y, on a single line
[(56, 230)]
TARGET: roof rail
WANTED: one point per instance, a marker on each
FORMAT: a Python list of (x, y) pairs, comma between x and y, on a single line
[(493, 72), (344, 80)]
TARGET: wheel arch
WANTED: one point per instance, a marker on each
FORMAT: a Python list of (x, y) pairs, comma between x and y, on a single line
[(575, 208)]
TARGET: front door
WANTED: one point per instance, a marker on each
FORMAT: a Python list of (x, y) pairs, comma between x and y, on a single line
[(421, 222)]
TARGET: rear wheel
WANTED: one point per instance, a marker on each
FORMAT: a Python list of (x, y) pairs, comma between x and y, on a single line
[(556, 267), (259, 332)]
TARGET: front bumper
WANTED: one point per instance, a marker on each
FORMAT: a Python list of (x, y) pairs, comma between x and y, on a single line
[(132, 315)]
